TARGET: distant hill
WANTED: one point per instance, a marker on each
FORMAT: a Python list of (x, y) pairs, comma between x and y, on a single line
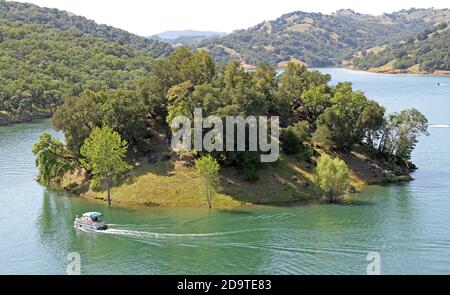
[(427, 52), (62, 20), (187, 37), (188, 33), (318, 39)]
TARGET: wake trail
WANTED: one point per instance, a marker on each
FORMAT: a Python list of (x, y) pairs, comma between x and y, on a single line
[(439, 126), (144, 234)]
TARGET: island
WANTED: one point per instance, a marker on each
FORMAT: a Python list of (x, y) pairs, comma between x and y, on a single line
[(333, 139)]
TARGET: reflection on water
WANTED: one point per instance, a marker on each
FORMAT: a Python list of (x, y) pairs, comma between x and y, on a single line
[(406, 224)]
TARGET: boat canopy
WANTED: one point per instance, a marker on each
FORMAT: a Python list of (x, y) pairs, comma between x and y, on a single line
[(93, 214)]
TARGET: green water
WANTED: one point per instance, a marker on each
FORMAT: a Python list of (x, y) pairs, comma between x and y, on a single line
[(409, 225)]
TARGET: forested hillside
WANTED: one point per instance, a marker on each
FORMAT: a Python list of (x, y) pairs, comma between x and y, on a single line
[(40, 67), (58, 19), (428, 52), (318, 39), (47, 55)]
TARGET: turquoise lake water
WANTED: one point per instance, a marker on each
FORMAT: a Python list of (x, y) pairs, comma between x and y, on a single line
[(408, 225)]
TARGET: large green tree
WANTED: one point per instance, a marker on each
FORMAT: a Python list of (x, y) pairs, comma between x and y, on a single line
[(208, 169), (294, 136), (77, 118), (351, 117), (104, 157), (399, 137), (332, 176), (52, 159)]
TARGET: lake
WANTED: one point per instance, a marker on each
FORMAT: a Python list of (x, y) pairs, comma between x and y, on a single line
[(408, 225)]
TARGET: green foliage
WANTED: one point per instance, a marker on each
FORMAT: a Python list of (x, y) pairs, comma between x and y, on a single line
[(179, 102), (52, 159), (337, 116), (183, 65), (315, 100), (78, 25), (208, 169), (430, 51), (103, 155), (332, 176), (41, 67), (350, 118), (323, 137), (399, 137), (371, 121), (77, 117), (293, 137), (296, 80), (122, 110), (317, 39)]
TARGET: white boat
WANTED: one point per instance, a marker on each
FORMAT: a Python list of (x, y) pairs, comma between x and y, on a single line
[(92, 221)]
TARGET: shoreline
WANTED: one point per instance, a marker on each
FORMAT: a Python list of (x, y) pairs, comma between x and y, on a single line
[(4, 122), (290, 183), (313, 199), (437, 73)]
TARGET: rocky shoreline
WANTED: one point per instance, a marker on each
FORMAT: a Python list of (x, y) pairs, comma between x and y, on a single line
[(4, 121)]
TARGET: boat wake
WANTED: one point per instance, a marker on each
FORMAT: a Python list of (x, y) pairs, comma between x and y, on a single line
[(144, 234), (439, 126)]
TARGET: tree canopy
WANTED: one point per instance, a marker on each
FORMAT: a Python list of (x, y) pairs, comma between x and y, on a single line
[(311, 111), (332, 176), (208, 169), (41, 67), (52, 159), (103, 156)]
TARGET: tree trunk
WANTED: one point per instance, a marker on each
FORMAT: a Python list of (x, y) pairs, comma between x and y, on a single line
[(109, 194), (209, 198)]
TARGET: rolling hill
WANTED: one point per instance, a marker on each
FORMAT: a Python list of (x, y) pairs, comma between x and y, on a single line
[(318, 39), (40, 67), (428, 52), (66, 21), (47, 55), (187, 37)]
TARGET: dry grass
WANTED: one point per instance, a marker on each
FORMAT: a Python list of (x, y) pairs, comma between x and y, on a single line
[(289, 180), (284, 64)]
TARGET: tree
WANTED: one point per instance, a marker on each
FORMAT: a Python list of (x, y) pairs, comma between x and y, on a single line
[(295, 80), (52, 158), (292, 137), (77, 118), (315, 101), (179, 102), (208, 169), (292, 83), (343, 116), (332, 176), (103, 155), (399, 137), (371, 121), (323, 137), (125, 113)]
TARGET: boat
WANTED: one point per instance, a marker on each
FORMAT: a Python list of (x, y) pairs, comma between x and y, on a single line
[(438, 84), (92, 221)]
